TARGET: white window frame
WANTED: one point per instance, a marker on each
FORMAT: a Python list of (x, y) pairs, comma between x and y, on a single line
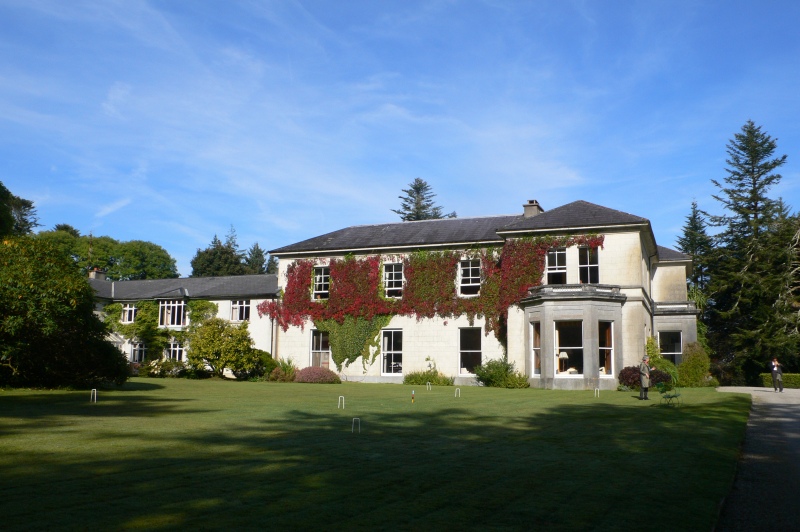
[(462, 369), (556, 265), (320, 348), (589, 265), (393, 279), (606, 354), (138, 352), (561, 367), (129, 311), (536, 348), (322, 282), (469, 277), (172, 313), (392, 352), (240, 310), (174, 350), (672, 356)]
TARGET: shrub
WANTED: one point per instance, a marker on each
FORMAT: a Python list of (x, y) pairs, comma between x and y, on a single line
[(500, 374), (317, 375), (433, 376), (263, 366), (694, 370), (790, 380), (284, 372), (629, 377), (164, 367)]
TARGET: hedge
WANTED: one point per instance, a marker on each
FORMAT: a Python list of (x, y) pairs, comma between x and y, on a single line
[(790, 380)]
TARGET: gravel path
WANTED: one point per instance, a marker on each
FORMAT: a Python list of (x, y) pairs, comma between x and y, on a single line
[(766, 491)]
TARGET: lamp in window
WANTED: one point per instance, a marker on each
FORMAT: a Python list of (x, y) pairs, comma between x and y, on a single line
[(563, 361)]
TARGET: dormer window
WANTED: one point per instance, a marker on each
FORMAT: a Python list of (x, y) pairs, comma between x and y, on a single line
[(322, 282), (469, 277), (557, 266)]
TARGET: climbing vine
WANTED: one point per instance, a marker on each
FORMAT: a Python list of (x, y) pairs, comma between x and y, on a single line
[(357, 310)]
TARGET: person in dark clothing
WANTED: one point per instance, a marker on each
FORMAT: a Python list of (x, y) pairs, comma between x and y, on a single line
[(644, 378), (777, 374)]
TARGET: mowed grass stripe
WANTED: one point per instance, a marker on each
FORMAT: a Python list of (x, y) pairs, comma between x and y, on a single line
[(216, 454)]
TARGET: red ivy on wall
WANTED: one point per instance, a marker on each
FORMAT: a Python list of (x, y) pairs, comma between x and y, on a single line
[(430, 288)]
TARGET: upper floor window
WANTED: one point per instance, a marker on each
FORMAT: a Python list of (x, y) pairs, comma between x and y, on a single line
[(393, 279), (322, 282), (557, 266), (128, 313), (588, 265), (240, 310), (172, 313), (469, 277)]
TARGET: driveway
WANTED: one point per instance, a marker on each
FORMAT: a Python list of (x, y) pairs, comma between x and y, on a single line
[(766, 491)]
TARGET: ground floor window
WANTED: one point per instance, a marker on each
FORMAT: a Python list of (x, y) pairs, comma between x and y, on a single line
[(606, 347), (138, 351), (175, 351), (320, 349), (536, 348), (392, 349), (569, 347), (470, 349), (671, 345)]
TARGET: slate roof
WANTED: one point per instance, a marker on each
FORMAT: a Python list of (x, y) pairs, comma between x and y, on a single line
[(460, 231), (667, 254), (229, 287)]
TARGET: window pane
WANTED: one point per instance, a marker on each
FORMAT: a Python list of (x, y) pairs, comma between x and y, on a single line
[(569, 347), (471, 339)]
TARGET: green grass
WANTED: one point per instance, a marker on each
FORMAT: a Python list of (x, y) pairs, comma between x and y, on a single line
[(166, 454)]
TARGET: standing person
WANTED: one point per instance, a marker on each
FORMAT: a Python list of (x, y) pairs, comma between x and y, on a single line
[(644, 378), (777, 374)]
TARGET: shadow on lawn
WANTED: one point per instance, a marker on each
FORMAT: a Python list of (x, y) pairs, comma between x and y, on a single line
[(593, 466)]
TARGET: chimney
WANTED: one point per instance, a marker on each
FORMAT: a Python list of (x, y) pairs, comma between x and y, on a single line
[(532, 208), (97, 273)]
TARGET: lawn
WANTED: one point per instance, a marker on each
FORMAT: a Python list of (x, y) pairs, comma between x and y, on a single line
[(166, 454)]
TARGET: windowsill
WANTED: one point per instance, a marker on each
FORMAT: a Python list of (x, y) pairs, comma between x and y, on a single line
[(569, 375), (468, 296)]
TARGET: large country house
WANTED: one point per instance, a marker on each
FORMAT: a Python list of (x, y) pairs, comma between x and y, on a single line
[(569, 295)]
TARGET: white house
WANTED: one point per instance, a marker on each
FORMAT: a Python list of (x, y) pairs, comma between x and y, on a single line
[(587, 317)]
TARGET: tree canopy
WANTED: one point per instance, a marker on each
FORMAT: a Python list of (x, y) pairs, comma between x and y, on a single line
[(122, 261), (220, 259), (750, 318), (49, 334), (17, 215), (417, 203)]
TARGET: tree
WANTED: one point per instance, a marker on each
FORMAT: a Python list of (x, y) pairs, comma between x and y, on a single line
[(272, 265), (218, 344), (6, 211), (417, 203), (750, 267), (696, 243), (134, 259), (137, 259), (49, 334), (256, 260), (220, 259)]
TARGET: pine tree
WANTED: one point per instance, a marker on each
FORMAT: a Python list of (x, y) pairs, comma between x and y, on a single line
[(256, 260), (417, 203), (750, 267), (696, 243), (219, 259)]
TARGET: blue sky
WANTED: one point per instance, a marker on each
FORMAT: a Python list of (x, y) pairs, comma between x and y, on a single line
[(173, 121)]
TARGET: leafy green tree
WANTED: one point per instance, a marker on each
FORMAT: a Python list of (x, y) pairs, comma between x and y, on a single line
[(219, 259), (137, 259), (17, 215), (750, 267), (67, 228), (49, 334), (218, 344), (6, 211), (417, 203)]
